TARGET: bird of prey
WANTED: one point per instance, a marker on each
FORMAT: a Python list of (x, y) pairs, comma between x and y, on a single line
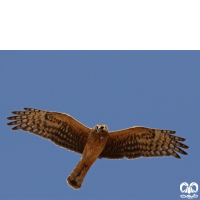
[(97, 142)]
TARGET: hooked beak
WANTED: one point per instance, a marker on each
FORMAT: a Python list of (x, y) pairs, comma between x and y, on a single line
[(100, 128)]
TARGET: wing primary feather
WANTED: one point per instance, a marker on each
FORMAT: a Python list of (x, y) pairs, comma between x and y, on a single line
[(29, 109)]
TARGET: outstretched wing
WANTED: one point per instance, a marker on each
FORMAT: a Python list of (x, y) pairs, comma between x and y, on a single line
[(138, 142), (60, 128)]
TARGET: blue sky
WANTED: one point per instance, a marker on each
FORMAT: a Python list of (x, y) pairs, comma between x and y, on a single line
[(158, 89)]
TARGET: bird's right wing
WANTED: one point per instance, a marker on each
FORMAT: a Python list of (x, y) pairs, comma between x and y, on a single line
[(60, 128)]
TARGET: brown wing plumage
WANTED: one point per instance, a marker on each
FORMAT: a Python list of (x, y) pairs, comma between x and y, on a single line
[(60, 128), (138, 142)]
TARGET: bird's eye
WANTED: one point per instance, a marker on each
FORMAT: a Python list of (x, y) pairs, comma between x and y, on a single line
[(97, 127)]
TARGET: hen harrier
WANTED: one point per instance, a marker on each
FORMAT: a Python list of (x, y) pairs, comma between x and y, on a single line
[(98, 142)]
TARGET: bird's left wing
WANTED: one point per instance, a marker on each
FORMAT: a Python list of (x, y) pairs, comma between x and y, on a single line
[(60, 128), (138, 142)]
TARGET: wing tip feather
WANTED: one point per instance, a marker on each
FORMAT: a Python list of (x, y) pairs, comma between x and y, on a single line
[(29, 109), (15, 112), (184, 146), (16, 128), (176, 155), (10, 123), (172, 132)]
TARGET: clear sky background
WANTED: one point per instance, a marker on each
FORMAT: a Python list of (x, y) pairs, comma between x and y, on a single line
[(158, 89)]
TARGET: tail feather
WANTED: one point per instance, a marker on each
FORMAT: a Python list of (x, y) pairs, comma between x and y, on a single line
[(77, 176), (75, 180)]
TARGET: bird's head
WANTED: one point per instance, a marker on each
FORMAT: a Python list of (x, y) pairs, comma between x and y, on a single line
[(101, 128)]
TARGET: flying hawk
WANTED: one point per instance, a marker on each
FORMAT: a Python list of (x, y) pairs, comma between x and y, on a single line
[(97, 142)]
